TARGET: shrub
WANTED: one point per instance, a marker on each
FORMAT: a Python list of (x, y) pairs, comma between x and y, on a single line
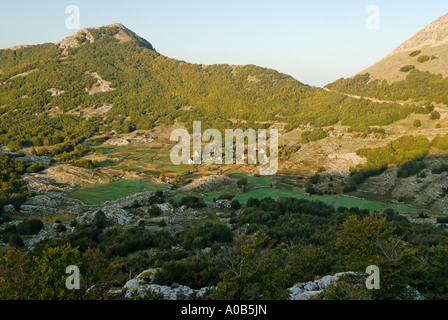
[(192, 202), (154, 211), (162, 223), (410, 168), (35, 167), (159, 194), (407, 68), (434, 115), (442, 219), (415, 53), (29, 227), (315, 179), (417, 123), (314, 135), (60, 228), (423, 59), (235, 205), (350, 185), (15, 241), (100, 220), (5, 218), (310, 189), (252, 202), (440, 169)]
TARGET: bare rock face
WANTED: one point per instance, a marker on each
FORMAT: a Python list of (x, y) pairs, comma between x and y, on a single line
[(138, 287), (211, 183), (84, 36), (18, 47), (431, 41), (68, 175), (306, 290), (74, 40), (435, 34)]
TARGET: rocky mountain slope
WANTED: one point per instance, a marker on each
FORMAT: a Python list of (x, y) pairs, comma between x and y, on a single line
[(426, 51)]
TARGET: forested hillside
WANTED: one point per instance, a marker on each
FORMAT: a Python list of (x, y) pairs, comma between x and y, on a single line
[(43, 85)]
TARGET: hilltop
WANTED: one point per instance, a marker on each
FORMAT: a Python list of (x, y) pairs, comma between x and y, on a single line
[(417, 70)]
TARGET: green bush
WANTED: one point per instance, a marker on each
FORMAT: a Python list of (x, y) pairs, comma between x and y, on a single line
[(235, 205), (440, 143), (314, 135), (204, 236), (440, 169), (252, 202), (154, 211), (15, 241), (410, 168), (315, 179), (100, 220), (442, 219), (192, 202), (434, 115), (415, 53), (30, 227), (407, 68), (423, 59)]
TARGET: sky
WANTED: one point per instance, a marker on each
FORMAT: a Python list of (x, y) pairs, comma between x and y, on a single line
[(316, 42)]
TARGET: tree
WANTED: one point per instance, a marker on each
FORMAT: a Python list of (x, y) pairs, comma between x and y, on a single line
[(100, 220), (434, 115), (49, 282), (15, 276), (44, 276), (15, 241), (360, 237), (255, 270), (154, 210), (370, 241), (30, 226), (252, 202), (235, 204)]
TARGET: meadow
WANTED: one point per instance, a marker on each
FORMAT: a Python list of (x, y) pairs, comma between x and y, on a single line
[(143, 159), (96, 194)]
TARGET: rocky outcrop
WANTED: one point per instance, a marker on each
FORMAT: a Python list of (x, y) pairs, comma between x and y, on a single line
[(306, 290), (213, 183), (435, 34), (140, 288)]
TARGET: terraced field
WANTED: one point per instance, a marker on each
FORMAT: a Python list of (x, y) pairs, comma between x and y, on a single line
[(147, 160)]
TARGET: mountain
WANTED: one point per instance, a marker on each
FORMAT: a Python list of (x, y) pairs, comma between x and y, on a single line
[(85, 36), (48, 92), (86, 181), (417, 70)]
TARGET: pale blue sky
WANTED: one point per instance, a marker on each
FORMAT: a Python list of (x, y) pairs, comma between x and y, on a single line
[(316, 42)]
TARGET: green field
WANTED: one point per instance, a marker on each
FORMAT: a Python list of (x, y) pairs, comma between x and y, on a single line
[(259, 187), (261, 181), (95, 194), (340, 201)]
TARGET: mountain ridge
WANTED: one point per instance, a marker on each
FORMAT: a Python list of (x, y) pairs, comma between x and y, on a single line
[(433, 35), (431, 42), (85, 35)]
